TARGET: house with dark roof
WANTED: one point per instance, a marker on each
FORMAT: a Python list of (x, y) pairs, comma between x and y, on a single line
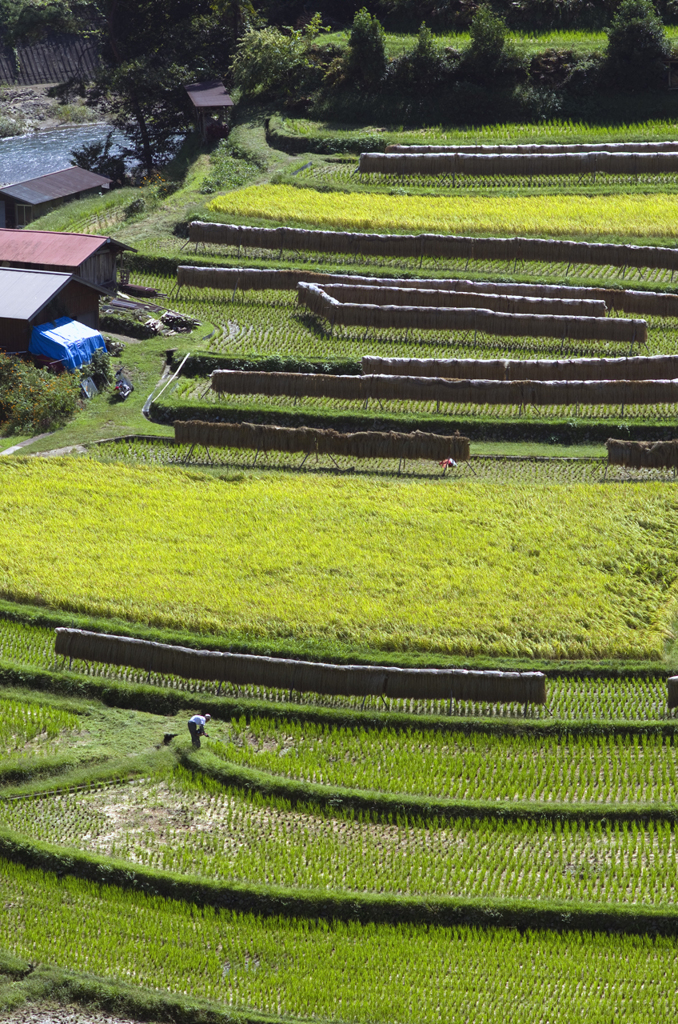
[(25, 201), (92, 258), (31, 297)]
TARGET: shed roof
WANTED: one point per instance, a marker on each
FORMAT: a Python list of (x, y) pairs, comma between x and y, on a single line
[(23, 293), (51, 248), (209, 94), (56, 185)]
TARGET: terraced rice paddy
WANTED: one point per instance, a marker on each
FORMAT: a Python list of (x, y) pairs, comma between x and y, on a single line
[(633, 698), (191, 826), (607, 770), (351, 560), (354, 839), (359, 972), (649, 216)]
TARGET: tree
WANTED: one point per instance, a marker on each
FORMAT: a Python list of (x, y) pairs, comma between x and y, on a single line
[(99, 158), (637, 46), (488, 35), (149, 50), (365, 62)]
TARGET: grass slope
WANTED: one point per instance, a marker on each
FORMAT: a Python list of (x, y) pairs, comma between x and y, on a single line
[(558, 572)]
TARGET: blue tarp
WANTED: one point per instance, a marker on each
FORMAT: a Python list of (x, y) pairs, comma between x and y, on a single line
[(70, 342)]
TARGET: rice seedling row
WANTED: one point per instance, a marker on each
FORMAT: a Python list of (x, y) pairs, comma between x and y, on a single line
[(199, 390), (570, 697), (552, 131), (462, 766), (192, 826), (347, 174), (22, 723), (349, 971), (271, 323)]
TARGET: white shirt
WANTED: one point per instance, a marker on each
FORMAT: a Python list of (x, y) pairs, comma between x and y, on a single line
[(199, 720)]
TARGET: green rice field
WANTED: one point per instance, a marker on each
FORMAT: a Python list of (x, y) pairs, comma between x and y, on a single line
[(331, 858)]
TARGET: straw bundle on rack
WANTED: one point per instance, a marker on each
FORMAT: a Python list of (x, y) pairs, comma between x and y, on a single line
[(381, 296), (643, 454), (370, 444), (245, 279), (538, 250), (623, 368), (551, 147), (301, 385), (520, 164), (439, 389), (303, 676), (487, 321)]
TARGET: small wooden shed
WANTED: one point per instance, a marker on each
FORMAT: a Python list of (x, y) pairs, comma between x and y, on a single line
[(24, 201), (92, 258), (211, 104), (30, 297)]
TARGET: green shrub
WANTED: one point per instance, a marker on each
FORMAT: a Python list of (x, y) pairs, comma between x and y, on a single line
[(637, 48), (365, 62), (35, 399), (488, 32)]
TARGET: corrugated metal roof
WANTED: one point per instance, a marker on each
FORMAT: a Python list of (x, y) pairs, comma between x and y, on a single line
[(23, 293), (50, 248), (57, 185), (209, 94)]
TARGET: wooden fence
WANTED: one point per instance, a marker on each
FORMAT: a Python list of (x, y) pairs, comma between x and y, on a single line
[(449, 247), (445, 318), (627, 300), (624, 368), (304, 676), (369, 444), (437, 389), (519, 164)]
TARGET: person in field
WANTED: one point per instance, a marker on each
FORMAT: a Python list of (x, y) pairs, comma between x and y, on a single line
[(196, 727)]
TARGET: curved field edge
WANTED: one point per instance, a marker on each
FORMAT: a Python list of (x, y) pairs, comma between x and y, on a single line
[(307, 649), (399, 565), (25, 983), (265, 901), (163, 701), (544, 215)]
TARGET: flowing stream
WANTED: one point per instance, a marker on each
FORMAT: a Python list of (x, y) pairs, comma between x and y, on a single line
[(28, 156)]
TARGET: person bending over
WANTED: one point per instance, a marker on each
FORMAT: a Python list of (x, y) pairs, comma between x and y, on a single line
[(196, 727)]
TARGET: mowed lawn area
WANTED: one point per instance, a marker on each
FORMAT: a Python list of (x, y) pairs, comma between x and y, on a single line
[(552, 571)]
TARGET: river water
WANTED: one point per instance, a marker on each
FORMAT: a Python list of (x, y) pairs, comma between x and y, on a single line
[(29, 156)]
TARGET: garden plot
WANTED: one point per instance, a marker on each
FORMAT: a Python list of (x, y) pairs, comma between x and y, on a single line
[(355, 972), (398, 564), (198, 829)]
